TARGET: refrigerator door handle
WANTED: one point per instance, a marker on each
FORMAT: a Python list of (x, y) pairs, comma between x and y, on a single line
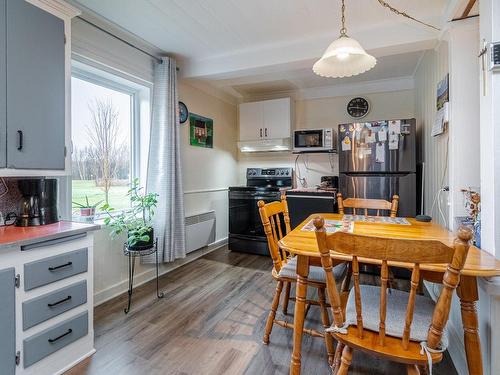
[(376, 174)]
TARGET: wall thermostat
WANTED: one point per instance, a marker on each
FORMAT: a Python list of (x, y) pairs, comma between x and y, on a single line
[(495, 56)]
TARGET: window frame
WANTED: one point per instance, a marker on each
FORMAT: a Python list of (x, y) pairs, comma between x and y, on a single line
[(140, 96)]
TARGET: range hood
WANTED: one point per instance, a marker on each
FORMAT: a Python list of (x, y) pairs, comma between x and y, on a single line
[(261, 145)]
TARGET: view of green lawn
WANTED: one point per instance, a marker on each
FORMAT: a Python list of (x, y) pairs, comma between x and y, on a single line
[(117, 194)]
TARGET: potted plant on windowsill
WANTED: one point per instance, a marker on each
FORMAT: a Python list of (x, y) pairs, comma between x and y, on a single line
[(137, 221), (87, 210)]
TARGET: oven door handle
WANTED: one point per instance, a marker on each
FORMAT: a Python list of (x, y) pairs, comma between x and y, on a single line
[(254, 196)]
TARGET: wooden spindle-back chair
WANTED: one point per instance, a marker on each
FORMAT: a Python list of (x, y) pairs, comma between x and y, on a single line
[(423, 321), (276, 222), (361, 206)]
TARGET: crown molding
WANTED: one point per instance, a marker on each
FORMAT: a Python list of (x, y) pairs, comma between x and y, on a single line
[(358, 88)]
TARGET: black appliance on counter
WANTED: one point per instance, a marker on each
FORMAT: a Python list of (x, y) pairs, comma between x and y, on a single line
[(246, 233), (38, 205), (330, 182), (377, 160), (305, 202)]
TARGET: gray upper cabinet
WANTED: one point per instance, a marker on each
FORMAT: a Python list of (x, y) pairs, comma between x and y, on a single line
[(35, 88), (3, 89), (7, 322)]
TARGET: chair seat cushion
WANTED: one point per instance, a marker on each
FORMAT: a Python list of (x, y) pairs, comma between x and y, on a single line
[(397, 302), (316, 274)]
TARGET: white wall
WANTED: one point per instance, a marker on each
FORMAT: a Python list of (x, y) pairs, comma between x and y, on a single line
[(207, 173), (95, 45), (328, 113), (464, 150), (489, 303), (490, 134), (432, 68)]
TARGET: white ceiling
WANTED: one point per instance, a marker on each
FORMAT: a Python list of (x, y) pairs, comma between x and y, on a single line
[(247, 46), (388, 67)]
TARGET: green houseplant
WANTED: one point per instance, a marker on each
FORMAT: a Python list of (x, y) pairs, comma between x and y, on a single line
[(87, 210), (137, 221)]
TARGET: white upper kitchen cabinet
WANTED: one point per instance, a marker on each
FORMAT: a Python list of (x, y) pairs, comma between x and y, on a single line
[(277, 118), (269, 119), (251, 121)]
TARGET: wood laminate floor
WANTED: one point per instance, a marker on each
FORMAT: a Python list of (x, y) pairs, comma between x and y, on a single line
[(210, 323)]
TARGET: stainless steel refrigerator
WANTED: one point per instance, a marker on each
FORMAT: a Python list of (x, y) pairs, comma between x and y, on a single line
[(377, 160)]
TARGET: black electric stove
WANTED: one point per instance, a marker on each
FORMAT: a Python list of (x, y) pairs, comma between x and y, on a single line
[(246, 233)]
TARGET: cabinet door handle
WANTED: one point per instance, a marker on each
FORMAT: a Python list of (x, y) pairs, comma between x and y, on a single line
[(266, 132), (19, 140), (60, 337), (261, 132), (68, 298), (61, 266)]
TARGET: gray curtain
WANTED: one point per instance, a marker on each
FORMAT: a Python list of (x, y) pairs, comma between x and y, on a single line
[(164, 164)]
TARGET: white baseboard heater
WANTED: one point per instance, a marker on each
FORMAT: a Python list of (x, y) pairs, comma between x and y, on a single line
[(200, 230)]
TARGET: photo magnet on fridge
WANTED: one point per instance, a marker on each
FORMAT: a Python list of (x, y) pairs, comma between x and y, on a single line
[(382, 134), (380, 152), (393, 141), (346, 144), (395, 126)]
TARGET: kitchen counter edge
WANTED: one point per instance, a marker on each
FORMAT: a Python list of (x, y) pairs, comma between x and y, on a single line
[(23, 236)]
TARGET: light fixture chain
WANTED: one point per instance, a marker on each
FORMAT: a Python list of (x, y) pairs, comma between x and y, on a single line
[(404, 14), (343, 30)]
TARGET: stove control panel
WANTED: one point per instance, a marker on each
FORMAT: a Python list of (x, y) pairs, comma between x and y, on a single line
[(269, 172)]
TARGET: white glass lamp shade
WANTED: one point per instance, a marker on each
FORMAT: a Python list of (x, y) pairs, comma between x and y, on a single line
[(344, 58)]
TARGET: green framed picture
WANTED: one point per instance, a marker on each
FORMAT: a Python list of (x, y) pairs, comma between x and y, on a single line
[(201, 131)]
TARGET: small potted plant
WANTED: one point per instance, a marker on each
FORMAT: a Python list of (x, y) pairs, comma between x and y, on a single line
[(137, 221), (87, 210)]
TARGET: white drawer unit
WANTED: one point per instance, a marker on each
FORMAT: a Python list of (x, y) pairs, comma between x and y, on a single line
[(47, 317)]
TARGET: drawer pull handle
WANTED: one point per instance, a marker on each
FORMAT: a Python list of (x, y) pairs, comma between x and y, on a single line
[(60, 337), (19, 140), (61, 266), (68, 298)]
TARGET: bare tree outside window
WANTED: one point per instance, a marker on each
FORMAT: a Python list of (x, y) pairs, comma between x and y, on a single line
[(105, 148), (101, 136)]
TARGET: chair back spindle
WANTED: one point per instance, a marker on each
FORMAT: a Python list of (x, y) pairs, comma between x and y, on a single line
[(415, 279), (359, 312), (384, 250), (384, 278)]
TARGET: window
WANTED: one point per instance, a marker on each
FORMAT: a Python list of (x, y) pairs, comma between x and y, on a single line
[(106, 121)]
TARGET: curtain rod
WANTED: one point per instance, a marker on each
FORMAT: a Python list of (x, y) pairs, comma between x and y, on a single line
[(156, 58)]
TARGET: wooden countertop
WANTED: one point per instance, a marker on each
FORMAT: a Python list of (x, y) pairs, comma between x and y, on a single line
[(478, 263), (20, 236)]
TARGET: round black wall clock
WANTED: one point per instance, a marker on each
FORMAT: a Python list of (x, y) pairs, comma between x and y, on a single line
[(358, 107), (183, 113)]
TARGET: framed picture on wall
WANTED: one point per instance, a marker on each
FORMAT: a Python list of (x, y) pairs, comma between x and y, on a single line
[(201, 131)]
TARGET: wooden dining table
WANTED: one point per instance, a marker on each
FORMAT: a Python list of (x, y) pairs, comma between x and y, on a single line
[(479, 263)]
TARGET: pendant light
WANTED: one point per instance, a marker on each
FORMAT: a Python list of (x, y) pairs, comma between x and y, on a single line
[(344, 57)]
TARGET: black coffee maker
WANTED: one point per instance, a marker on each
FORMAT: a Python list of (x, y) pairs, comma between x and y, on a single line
[(38, 205)]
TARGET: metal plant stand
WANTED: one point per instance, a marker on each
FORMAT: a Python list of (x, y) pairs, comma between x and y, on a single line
[(132, 255)]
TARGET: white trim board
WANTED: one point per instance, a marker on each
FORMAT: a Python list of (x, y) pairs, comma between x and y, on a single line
[(360, 88)]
